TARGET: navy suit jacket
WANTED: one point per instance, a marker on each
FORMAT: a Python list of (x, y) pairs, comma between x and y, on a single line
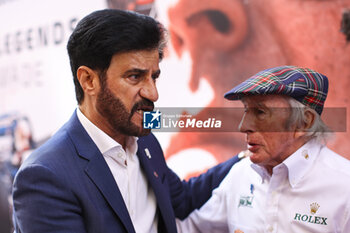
[(66, 186)]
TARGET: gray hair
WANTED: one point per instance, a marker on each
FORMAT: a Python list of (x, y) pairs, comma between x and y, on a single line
[(319, 130)]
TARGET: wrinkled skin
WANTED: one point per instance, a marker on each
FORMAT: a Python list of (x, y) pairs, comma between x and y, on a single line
[(230, 40)]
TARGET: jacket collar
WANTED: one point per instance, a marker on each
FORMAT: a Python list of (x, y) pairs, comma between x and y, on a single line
[(149, 154), (97, 170)]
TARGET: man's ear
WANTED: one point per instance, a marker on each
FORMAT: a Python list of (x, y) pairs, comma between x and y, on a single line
[(89, 80), (309, 120)]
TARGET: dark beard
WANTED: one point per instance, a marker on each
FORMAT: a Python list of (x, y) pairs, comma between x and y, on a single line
[(114, 111)]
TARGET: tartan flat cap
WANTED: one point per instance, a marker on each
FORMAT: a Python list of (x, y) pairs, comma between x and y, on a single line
[(305, 85)]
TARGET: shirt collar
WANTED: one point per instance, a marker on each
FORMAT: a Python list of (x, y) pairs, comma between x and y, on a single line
[(104, 142), (261, 171), (297, 164), (301, 161)]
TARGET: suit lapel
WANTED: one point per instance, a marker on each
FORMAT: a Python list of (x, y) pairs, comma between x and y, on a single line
[(156, 178), (99, 172)]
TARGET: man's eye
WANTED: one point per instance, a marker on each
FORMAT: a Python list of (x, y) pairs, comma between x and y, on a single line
[(134, 77), (155, 77), (260, 111)]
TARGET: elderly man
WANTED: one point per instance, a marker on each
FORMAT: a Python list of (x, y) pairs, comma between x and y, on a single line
[(290, 181)]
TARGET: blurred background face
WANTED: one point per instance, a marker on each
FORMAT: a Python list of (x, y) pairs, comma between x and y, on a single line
[(215, 45), (247, 36)]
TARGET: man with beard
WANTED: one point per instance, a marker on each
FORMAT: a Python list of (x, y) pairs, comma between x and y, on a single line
[(102, 172)]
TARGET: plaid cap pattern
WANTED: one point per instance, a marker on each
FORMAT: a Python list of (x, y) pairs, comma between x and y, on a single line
[(305, 85)]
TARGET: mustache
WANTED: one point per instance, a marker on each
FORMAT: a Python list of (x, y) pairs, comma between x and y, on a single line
[(143, 104)]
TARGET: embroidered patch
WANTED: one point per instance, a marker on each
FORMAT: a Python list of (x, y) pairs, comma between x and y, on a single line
[(311, 218), (246, 201)]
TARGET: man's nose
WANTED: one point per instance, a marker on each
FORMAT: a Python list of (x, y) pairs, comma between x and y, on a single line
[(149, 90), (246, 124)]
